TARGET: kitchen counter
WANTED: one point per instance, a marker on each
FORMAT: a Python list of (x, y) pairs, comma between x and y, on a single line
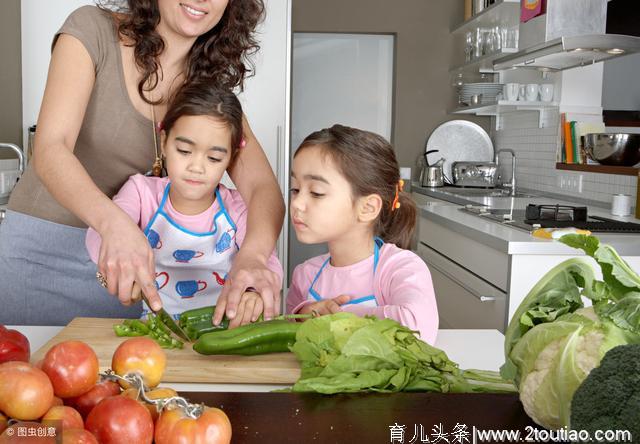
[(479, 349), (511, 240)]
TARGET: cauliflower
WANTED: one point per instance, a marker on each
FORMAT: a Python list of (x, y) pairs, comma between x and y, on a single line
[(553, 342)]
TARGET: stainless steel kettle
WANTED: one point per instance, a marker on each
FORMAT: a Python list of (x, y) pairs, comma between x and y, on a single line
[(432, 175)]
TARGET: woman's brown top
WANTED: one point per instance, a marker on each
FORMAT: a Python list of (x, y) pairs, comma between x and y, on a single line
[(115, 140)]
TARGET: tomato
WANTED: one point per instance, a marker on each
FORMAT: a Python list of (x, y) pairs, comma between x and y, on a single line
[(72, 367), (25, 391), (27, 432), (57, 401), (14, 346), (3, 422), (157, 393), (78, 436), (212, 427), (119, 419), (87, 401), (64, 415), (140, 355)]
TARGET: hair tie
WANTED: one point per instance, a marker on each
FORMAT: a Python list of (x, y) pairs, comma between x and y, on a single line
[(395, 204)]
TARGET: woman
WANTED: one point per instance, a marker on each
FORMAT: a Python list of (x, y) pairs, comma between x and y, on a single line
[(110, 78)]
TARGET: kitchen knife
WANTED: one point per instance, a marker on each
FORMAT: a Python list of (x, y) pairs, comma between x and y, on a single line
[(162, 314)]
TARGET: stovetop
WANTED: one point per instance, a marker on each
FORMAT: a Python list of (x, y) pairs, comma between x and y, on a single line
[(552, 216)]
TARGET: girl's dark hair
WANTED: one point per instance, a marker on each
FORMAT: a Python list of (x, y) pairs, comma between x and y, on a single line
[(221, 55), (206, 99), (369, 164)]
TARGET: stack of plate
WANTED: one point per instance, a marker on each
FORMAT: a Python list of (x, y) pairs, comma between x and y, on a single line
[(489, 91)]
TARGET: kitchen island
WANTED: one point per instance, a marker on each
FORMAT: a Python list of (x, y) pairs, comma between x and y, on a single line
[(258, 415), (483, 269)]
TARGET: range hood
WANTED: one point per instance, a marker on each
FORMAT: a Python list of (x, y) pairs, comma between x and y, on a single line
[(570, 52)]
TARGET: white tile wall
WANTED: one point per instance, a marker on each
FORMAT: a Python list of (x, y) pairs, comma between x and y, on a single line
[(536, 158)]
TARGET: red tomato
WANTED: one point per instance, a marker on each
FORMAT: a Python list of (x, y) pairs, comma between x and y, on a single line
[(140, 355), (118, 420), (25, 391), (72, 367), (27, 432), (64, 415), (57, 401), (14, 346), (78, 436), (87, 401), (212, 427)]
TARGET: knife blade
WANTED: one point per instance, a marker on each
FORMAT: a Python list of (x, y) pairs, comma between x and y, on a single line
[(162, 314)]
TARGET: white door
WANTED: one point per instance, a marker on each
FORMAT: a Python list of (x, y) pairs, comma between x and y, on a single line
[(338, 78)]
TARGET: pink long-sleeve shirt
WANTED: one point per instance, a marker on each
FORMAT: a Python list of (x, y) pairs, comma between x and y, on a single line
[(140, 198), (401, 285)]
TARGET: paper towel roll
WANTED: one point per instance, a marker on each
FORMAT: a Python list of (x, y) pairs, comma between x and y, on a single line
[(621, 205)]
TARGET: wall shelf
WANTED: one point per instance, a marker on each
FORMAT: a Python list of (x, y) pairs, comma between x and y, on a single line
[(484, 63), (501, 12), (501, 107), (605, 169)]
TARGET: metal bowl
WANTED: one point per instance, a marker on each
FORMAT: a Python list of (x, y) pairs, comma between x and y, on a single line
[(620, 149)]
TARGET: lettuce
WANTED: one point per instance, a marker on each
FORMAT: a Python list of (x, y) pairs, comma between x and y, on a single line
[(346, 353)]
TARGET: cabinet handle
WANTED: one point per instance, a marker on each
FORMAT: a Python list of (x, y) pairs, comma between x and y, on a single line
[(481, 298)]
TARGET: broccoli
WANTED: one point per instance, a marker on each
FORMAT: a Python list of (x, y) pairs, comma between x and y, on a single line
[(609, 398)]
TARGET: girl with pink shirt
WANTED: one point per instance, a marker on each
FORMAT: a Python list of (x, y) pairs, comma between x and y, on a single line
[(194, 224), (346, 191)]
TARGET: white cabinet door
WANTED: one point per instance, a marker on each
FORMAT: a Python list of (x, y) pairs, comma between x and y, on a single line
[(39, 22)]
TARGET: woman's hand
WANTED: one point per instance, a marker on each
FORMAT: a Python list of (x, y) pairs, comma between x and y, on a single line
[(125, 257), (249, 309), (327, 306), (248, 271)]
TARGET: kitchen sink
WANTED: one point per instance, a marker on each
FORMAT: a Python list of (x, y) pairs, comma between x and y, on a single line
[(483, 192)]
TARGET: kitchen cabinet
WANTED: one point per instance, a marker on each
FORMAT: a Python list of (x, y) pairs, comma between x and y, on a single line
[(483, 270), (463, 298)]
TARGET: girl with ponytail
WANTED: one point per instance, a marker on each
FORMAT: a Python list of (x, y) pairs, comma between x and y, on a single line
[(346, 191)]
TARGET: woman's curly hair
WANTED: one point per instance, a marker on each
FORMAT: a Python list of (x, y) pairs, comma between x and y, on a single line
[(222, 54)]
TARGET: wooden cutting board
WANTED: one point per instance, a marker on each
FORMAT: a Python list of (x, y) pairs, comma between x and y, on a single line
[(183, 365)]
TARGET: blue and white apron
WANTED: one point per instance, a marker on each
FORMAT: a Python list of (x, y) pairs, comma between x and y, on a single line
[(190, 267), (368, 300)]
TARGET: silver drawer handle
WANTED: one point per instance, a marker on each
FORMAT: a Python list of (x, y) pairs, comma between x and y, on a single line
[(480, 297), (485, 298)]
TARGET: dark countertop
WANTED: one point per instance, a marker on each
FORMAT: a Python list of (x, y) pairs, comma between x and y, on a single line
[(362, 418)]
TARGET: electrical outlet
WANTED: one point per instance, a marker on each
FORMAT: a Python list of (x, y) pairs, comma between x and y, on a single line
[(570, 182)]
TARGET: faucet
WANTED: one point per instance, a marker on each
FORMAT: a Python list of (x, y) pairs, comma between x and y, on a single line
[(512, 185), (18, 151)]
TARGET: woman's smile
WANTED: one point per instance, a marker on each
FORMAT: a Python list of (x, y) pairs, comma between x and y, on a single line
[(192, 11)]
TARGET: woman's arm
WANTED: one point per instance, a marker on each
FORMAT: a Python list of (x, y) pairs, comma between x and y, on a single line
[(259, 188), (125, 255)]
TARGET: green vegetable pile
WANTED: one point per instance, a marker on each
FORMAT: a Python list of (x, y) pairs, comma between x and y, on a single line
[(553, 341), (346, 353), (152, 327), (609, 399)]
